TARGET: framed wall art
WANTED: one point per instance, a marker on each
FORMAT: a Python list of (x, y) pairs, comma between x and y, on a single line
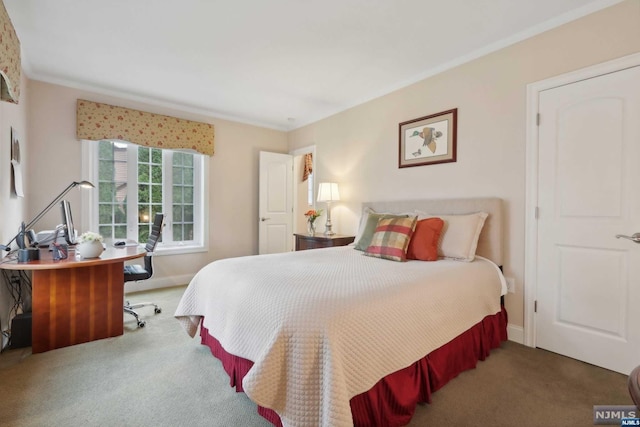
[(428, 140), (16, 167)]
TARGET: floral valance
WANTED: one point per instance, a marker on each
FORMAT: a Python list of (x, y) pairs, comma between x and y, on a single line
[(96, 121), (9, 59)]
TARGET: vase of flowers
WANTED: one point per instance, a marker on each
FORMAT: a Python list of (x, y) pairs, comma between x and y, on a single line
[(90, 245), (312, 215)]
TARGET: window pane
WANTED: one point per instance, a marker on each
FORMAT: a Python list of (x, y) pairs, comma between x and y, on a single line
[(105, 214), (188, 176), (120, 213), (188, 160), (143, 193), (156, 194), (188, 214), (156, 156), (188, 195), (143, 214), (177, 232), (177, 213), (106, 170), (105, 231), (177, 194), (143, 233), (177, 175), (155, 209), (105, 150), (106, 191), (188, 232), (120, 232), (143, 155), (156, 174), (143, 173)]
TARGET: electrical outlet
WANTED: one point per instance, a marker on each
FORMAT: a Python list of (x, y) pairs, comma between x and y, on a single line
[(511, 285)]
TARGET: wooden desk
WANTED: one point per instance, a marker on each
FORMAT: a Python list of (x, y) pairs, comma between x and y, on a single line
[(76, 300)]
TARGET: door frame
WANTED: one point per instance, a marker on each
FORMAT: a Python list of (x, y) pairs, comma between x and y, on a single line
[(531, 179)]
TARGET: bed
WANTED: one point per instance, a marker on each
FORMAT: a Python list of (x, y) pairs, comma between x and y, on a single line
[(330, 337)]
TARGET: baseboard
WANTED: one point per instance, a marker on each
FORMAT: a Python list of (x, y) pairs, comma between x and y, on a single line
[(157, 283), (515, 333)]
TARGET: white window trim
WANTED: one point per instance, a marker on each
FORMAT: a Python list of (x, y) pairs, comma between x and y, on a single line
[(89, 213)]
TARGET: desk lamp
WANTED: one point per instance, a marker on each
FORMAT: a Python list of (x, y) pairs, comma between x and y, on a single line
[(328, 192), (30, 254)]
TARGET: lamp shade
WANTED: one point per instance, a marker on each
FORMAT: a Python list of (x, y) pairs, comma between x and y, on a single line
[(328, 192)]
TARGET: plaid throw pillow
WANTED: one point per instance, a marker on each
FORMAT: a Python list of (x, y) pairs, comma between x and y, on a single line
[(391, 239)]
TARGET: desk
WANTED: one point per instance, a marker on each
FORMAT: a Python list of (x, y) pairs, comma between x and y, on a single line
[(76, 300)]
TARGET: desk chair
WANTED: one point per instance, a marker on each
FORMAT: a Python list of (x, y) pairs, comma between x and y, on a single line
[(135, 272)]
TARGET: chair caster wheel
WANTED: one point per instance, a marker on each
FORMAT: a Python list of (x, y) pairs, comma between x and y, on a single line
[(158, 310), (141, 323)]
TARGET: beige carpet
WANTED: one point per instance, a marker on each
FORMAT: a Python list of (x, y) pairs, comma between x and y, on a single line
[(158, 376)]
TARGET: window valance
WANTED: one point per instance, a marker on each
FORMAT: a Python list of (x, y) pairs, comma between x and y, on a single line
[(9, 59), (96, 121)]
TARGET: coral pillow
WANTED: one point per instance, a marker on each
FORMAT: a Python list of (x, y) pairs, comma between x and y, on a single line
[(391, 239), (424, 242)]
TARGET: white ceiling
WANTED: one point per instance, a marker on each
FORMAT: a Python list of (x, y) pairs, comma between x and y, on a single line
[(275, 63)]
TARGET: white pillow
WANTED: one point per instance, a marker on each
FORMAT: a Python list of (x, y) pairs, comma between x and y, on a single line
[(460, 234)]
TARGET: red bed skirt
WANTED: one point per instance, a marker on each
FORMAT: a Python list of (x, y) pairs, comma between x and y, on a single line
[(392, 401)]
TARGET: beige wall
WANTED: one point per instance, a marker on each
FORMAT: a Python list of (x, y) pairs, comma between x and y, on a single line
[(232, 187), (12, 208), (359, 148)]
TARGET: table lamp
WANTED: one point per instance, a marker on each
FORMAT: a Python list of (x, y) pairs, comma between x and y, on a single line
[(328, 192), (30, 254)]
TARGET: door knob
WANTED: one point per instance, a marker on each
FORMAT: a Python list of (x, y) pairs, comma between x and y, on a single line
[(635, 237), (263, 219)]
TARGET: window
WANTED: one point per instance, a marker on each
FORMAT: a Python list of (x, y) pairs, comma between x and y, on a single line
[(310, 189), (134, 183)]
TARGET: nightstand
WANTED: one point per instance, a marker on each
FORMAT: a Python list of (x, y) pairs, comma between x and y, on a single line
[(305, 241)]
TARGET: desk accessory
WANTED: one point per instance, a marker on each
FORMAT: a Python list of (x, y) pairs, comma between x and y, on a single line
[(31, 253)]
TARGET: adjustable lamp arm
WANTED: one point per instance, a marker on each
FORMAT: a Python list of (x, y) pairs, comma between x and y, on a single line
[(47, 209)]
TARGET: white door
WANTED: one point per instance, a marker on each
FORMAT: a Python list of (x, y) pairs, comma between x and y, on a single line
[(275, 207), (588, 281)]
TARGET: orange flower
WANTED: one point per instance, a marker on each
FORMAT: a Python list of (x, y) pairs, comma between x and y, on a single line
[(312, 214)]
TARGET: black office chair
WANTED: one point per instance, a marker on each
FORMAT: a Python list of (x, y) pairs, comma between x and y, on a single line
[(135, 272)]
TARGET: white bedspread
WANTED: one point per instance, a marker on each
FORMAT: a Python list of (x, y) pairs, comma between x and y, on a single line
[(324, 325)]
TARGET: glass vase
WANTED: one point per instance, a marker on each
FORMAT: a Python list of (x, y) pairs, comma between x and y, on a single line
[(311, 228)]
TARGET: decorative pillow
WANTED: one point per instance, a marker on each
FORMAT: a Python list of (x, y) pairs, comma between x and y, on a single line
[(368, 224), (391, 239), (363, 222), (459, 236), (424, 241)]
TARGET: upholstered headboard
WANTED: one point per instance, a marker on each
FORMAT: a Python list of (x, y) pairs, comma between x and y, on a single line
[(490, 241)]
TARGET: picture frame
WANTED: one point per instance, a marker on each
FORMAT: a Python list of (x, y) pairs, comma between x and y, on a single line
[(428, 140), (16, 167)]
